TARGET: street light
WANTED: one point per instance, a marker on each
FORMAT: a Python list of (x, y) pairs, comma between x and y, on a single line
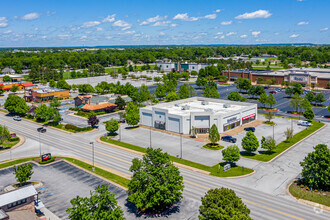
[(119, 133), (181, 146), (92, 143), (274, 132), (39, 130)]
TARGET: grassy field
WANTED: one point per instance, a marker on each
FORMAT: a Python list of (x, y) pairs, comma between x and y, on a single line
[(302, 193), (285, 145), (9, 144), (236, 171)]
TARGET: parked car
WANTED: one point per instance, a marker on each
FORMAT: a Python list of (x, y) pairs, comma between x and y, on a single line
[(229, 139), (278, 90), (17, 118), (273, 92), (304, 123), (250, 129), (41, 130), (266, 87)]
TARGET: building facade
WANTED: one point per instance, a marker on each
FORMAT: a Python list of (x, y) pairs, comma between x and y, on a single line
[(21, 86), (45, 94), (181, 67), (182, 115)]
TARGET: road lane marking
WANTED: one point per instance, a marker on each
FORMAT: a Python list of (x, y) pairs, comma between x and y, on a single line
[(256, 204), (125, 161)]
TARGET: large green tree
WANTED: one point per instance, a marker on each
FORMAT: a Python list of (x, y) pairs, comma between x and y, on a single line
[(316, 168), (309, 114), (211, 92), (132, 114), (16, 105), (41, 112), (160, 91), (271, 100), (120, 102), (4, 134), (231, 154), (156, 183), (172, 96), (296, 101), (112, 125), (23, 173), (214, 135), (101, 204), (268, 143), (263, 99), (55, 103), (222, 204), (243, 83), (250, 142)]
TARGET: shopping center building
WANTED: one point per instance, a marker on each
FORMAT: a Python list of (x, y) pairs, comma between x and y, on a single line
[(199, 112)]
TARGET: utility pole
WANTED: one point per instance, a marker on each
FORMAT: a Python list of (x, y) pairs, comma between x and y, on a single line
[(92, 143)]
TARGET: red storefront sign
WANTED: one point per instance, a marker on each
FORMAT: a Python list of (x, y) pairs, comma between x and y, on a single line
[(249, 116)]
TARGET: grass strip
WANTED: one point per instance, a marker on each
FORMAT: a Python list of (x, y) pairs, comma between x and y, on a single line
[(9, 144), (302, 193), (108, 175), (285, 145), (214, 170), (18, 161)]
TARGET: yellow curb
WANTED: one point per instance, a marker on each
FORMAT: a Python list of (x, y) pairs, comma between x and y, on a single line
[(306, 202)]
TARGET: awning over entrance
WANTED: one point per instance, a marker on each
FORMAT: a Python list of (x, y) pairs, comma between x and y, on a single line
[(249, 116)]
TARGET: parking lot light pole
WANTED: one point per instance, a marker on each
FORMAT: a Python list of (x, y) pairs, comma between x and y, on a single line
[(274, 132), (119, 133), (181, 146), (150, 138), (92, 143)]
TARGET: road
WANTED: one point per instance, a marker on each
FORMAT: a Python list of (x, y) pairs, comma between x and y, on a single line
[(262, 205)]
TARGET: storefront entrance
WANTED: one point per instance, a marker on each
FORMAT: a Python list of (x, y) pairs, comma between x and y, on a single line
[(249, 118)]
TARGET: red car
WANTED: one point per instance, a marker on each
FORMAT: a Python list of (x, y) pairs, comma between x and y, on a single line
[(273, 92)]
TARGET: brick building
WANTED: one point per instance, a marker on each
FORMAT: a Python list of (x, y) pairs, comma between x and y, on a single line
[(45, 94)]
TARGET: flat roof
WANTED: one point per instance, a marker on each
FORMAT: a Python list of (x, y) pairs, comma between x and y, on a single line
[(200, 104), (17, 194), (48, 90)]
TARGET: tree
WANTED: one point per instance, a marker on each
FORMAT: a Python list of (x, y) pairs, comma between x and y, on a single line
[(214, 135), (309, 114), (269, 116), (289, 91), (316, 168), (263, 99), (268, 143), (319, 98), (172, 96), (93, 121), (222, 204), (74, 87), (14, 88), (52, 83), (234, 96), (297, 88), (185, 91), (1, 90), (112, 125), (23, 173), (305, 104), (296, 101), (310, 97), (41, 112), (211, 92), (132, 114), (231, 154), (6, 79), (243, 83), (16, 105), (4, 134), (160, 91), (250, 142), (55, 103), (156, 183), (271, 100), (120, 102), (62, 84), (201, 81), (288, 134), (101, 204), (85, 88)]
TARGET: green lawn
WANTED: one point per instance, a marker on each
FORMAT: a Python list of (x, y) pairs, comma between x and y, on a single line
[(302, 193), (14, 162), (210, 146), (285, 145), (9, 144), (236, 171)]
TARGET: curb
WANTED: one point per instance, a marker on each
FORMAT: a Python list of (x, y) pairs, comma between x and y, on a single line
[(236, 177), (21, 142), (307, 202)]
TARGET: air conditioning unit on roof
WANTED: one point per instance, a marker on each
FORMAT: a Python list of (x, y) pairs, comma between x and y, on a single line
[(226, 105)]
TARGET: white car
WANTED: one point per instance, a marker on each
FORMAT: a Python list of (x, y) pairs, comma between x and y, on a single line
[(17, 118), (304, 123)]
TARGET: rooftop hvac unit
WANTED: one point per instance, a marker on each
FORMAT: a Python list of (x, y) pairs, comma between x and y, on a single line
[(185, 107), (205, 102), (226, 105), (176, 105)]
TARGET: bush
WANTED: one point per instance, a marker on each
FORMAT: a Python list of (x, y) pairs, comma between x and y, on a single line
[(70, 127), (14, 139), (47, 161)]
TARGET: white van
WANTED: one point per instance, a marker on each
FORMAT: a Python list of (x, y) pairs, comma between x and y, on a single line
[(304, 123)]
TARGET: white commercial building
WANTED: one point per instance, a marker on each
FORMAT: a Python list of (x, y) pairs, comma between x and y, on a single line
[(181, 67), (199, 112)]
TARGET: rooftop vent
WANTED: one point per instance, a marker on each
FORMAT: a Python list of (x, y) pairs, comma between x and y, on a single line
[(176, 105), (205, 102), (226, 105), (185, 107)]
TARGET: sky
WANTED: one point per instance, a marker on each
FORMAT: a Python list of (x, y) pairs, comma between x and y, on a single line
[(56, 23)]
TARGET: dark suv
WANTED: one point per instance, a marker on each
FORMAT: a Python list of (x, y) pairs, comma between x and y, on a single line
[(41, 130), (250, 129), (229, 139)]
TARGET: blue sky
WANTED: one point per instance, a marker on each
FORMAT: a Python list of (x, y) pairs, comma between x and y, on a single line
[(149, 22)]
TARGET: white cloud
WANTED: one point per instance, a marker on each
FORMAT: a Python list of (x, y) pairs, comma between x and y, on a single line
[(8, 32), (43, 37), (162, 23), (222, 37), (217, 11), (64, 36), (90, 24), (48, 13), (3, 22), (31, 16), (99, 29), (108, 37), (129, 32), (36, 29), (161, 34), (303, 23), (226, 22), (243, 36), (109, 18), (184, 17), (255, 33), (83, 37), (294, 35), (210, 16), (277, 33), (253, 15), (219, 33), (230, 33), (174, 25), (123, 24), (153, 19), (324, 29), (300, 0)]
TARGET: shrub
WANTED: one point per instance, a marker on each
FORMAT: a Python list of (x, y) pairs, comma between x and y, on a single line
[(70, 127), (14, 139)]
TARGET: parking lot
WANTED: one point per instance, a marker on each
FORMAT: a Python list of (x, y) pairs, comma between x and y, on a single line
[(192, 149), (63, 182)]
